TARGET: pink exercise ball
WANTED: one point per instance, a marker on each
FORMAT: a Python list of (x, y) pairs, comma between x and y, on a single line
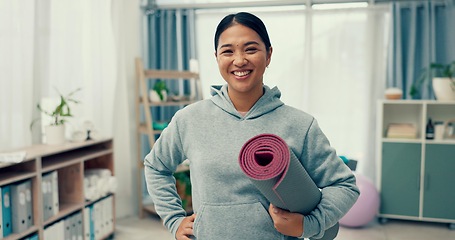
[(366, 207)]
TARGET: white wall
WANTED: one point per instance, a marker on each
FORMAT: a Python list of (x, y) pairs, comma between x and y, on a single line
[(127, 26)]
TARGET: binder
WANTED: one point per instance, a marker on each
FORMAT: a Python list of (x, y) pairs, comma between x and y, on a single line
[(78, 231), (97, 220), (29, 203), (55, 201), (19, 207), (6, 211), (59, 231), (87, 232), (92, 222), (46, 184), (67, 227), (44, 191), (73, 227), (110, 211), (55, 231), (108, 215), (105, 214)]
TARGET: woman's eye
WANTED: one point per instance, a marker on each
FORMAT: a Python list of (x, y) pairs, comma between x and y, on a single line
[(251, 50), (226, 52)]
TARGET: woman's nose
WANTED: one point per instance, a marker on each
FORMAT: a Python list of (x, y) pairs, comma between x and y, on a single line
[(240, 60)]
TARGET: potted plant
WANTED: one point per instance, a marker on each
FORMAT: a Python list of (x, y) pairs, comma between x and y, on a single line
[(159, 92), (443, 81), (55, 131)]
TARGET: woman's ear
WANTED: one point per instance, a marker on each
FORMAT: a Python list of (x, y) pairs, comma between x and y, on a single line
[(269, 55)]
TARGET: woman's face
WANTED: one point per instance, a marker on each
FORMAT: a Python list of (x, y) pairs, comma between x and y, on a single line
[(242, 58)]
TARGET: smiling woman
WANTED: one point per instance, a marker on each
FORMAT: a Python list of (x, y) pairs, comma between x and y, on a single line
[(242, 57), (210, 134)]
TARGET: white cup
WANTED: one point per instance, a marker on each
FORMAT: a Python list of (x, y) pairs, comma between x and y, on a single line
[(438, 131)]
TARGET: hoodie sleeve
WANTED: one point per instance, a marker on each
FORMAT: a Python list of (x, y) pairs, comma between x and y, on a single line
[(160, 164), (333, 177)]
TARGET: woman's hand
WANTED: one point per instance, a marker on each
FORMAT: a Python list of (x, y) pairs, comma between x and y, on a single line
[(185, 229), (285, 222)]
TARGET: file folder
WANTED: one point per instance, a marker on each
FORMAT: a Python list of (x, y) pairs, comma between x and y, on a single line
[(6, 211), (68, 227), (19, 207), (29, 203), (55, 231), (55, 201), (79, 226), (97, 220), (46, 184), (92, 222), (87, 233)]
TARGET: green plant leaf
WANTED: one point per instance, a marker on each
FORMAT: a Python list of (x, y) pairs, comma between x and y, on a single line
[(434, 70), (61, 111)]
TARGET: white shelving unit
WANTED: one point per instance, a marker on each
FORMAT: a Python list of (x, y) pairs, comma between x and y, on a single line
[(415, 176), (70, 161)]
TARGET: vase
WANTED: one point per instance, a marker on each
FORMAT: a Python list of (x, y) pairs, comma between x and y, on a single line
[(55, 134), (443, 89)]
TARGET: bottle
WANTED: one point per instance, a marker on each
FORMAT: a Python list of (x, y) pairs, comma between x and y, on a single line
[(429, 132)]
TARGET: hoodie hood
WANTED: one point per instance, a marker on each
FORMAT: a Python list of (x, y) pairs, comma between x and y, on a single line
[(269, 101)]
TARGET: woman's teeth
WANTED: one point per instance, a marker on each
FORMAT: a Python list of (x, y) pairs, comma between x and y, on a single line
[(241, 74)]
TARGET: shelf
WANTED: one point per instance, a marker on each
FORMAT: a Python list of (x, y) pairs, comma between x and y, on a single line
[(145, 119), (65, 209), (166, 74), (69, 161), (143, 129), (444, 141), (59, 161), (11, 177), (22, 234), (414, 174), (168, 103)]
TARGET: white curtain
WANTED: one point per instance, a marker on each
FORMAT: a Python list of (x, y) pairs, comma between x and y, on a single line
[(17, 36), (53, 46), (330, 63), (62, 45)]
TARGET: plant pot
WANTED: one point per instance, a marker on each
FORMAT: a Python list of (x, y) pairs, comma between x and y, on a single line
[(154, 97), (55, 134), (443, 89)]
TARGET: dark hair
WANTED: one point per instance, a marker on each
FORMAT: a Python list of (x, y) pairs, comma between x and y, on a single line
[(246, 19)]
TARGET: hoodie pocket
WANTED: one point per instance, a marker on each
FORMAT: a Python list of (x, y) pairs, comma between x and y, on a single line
[(234, 221)]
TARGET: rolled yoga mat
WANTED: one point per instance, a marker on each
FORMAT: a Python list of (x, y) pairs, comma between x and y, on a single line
[(274, 169)]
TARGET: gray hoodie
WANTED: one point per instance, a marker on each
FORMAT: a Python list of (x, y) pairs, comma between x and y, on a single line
[(210, 134)]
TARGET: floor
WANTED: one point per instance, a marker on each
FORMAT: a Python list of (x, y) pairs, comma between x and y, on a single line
[(150, 228)]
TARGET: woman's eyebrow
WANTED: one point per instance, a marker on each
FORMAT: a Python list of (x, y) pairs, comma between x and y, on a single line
[(226, 45), (251, 43), (246, 44)]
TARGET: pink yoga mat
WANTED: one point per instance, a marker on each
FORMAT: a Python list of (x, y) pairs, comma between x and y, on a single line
[(274, 169)]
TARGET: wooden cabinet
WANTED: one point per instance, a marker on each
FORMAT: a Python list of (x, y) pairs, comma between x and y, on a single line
[(68, 161), (415, 174), (152, 117)]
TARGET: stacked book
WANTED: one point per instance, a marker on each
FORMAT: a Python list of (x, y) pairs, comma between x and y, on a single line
[(401, 130)]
